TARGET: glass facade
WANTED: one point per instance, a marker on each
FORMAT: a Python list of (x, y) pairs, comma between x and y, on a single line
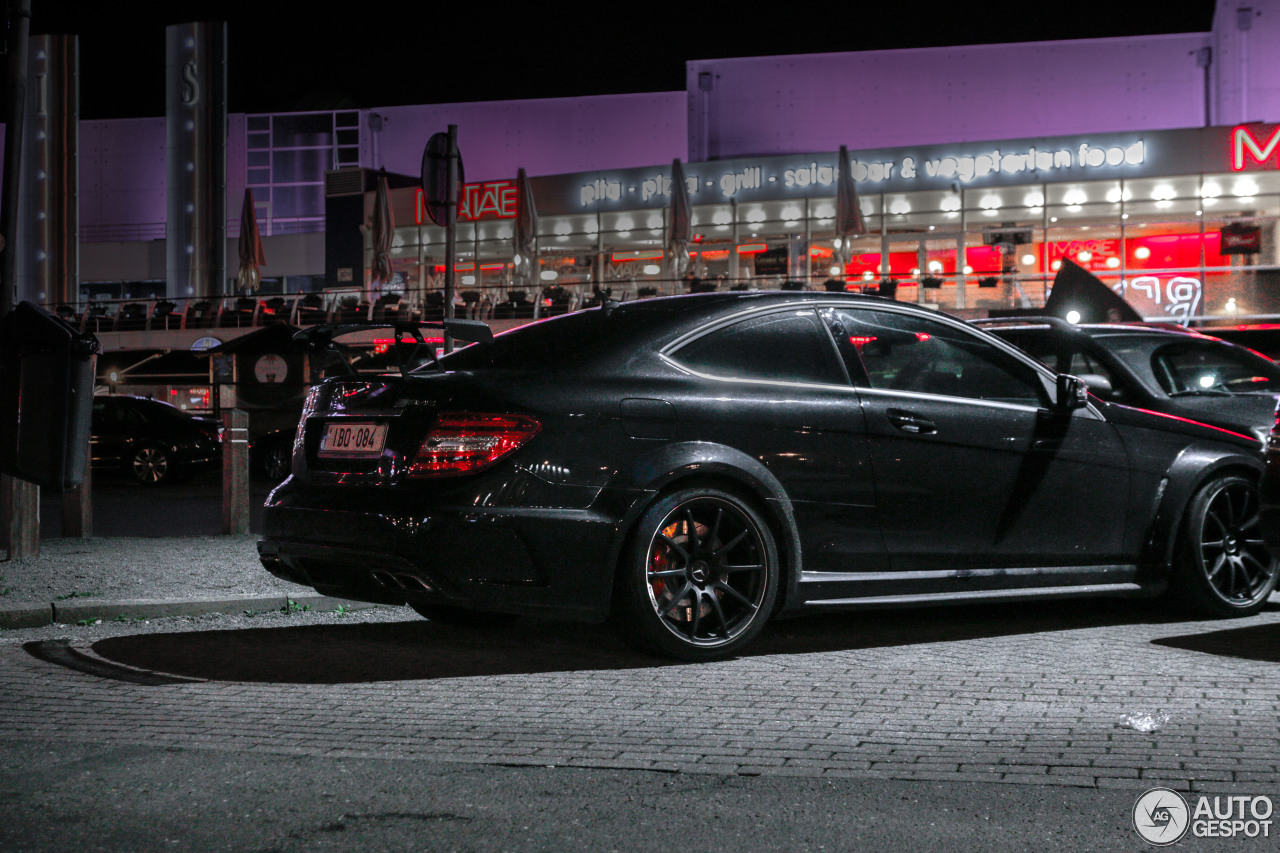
[(967, 250), (287, 157)]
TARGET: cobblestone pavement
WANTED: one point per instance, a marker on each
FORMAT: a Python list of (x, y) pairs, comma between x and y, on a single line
[(1031, 695)]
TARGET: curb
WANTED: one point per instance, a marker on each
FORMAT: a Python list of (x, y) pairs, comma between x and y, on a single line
[(72, 612)]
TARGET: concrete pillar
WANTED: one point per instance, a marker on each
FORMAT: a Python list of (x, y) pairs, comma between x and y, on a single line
[(196, 159), (49, 266), (235, 471)]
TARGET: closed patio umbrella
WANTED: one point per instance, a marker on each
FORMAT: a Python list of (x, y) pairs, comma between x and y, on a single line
[(383, 228), (524, 239), (678, 231), (849, 221), (251, 254)]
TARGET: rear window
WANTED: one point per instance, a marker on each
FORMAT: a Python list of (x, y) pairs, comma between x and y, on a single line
[(783, 346)]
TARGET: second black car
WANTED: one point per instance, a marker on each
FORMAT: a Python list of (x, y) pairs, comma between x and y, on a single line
[(153, 442)]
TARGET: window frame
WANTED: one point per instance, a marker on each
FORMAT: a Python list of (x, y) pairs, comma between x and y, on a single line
[(1045, 376), (670, 352)]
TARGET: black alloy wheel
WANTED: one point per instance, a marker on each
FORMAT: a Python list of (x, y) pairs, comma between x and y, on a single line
[(1224, 568), (150, 465), (277, 463), (700, 578)]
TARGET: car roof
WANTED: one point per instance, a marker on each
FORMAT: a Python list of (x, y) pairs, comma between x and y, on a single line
[(621, 329), (737, 298), (1157, 331)]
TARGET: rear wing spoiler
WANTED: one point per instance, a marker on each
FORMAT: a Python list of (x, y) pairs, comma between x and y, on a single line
[(324, 337)]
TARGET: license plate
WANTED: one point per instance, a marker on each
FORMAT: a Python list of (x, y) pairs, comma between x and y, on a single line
[(347, 440)]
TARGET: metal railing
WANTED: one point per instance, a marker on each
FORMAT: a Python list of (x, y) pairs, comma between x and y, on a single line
[(515, 302)]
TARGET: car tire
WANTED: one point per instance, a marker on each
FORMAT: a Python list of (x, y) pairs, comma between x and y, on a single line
[(699, 576), (1222, 567), (151, 465), (460, 617)]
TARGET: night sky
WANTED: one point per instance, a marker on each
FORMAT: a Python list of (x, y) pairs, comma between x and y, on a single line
[(309, 56)]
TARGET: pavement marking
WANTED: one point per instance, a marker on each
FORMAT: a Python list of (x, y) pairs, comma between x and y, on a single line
[(64, 653)]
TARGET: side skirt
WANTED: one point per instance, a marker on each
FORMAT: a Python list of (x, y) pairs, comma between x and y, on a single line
[(894, 589)]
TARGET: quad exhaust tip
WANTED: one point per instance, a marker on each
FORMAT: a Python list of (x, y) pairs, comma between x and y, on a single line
[(403, 583)]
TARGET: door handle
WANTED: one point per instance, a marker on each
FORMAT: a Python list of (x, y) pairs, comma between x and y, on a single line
[(911, 422)]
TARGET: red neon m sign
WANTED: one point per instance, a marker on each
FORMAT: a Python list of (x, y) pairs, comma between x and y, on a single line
[(1242, 140)]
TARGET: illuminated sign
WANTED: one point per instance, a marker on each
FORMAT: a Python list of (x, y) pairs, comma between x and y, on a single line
[(1240, 239), (637, 255), (1245, 144), (934, 166), (1179, 297), (488, 200), (945, 167)]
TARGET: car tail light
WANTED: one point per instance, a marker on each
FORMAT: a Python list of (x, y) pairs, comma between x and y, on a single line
[(466, 442), (309, 406)]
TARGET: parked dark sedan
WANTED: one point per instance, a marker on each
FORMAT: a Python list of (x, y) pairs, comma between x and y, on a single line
[(692, 466), (1170, 370), (152, 441), (270, 454)]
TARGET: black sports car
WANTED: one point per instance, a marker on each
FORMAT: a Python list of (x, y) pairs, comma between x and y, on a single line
[(152, 441), (693, 465)]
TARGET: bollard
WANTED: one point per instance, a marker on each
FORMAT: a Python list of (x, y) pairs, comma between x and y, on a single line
[(235, 472), (77, 504)]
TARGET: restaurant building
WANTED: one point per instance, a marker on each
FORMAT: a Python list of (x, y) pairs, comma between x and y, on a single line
[(1183, 222)]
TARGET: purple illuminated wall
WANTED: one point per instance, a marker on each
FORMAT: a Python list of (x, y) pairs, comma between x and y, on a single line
[(122, 179), (545, 136), (818, 102)]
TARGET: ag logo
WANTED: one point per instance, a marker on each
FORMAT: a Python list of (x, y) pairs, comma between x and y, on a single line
[(1161, 816)]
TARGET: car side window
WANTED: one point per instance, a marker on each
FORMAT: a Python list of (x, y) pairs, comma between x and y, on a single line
[(900, 352), (1064, 356), (782, 346), (1086, 364)]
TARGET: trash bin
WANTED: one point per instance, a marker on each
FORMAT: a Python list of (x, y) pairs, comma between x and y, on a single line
[(46, 396)]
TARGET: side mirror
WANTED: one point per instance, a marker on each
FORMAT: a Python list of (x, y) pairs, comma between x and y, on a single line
[(1097, 384), (1072, 393)]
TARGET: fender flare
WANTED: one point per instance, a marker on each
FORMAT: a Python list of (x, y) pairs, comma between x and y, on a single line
[(662, 468), (1196, 465)]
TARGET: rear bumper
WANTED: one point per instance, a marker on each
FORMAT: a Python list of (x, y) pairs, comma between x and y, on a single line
[(535, 561)]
